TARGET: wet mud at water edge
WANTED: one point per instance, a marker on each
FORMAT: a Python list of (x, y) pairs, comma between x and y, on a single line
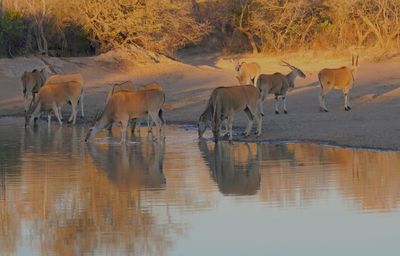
[(61, 196)]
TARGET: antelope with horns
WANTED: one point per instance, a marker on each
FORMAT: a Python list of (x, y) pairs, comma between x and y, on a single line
[(247, 73), (226, 101), (126, 105), (51, 97), (30, 83), (278, 84), (338, 79)]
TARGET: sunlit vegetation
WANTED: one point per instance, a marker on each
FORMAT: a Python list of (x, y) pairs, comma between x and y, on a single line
[(75, 27)]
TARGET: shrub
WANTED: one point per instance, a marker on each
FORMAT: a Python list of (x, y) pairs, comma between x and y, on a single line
[(12, 34)]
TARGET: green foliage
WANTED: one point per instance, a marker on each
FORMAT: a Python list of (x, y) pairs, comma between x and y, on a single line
[(12, 33)]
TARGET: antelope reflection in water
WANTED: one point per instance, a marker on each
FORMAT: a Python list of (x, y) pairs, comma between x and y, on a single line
[(233, 167), (298, 174), (139, 165), (74, 206)]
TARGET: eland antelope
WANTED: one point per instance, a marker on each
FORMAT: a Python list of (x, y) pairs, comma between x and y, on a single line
[(226, 101), (51, 97), (129, 86), (278, 84), (205, 120), (126, 105), (247, 73), (65, 78), (31, 82), (338, 79)]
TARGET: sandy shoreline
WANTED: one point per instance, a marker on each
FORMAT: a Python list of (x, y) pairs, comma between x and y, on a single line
[(373, 122)]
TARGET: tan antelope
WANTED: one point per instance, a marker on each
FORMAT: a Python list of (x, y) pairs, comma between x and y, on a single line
[(126, 105), (30, 83), (64, 78), (226, 101), (205, 120), (247, 73), (129, 86), (150, 86), (338, 79), (51, 97), (278, 84)]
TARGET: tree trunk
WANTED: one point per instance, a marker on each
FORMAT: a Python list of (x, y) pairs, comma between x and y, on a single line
[(43, 39), (250, 38), (1, 8)]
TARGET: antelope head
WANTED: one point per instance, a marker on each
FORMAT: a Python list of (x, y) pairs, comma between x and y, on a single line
[(89, 134), (293, 68), (292, 75)]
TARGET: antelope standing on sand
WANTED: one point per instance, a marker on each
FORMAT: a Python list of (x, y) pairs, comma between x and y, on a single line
[(226, 101), (30, 83), (338, 79), (278, 84), (126, 105), (247, 73), (51, 97)]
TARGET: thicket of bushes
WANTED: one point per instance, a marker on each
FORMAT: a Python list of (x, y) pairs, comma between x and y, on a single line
[(86, 27)]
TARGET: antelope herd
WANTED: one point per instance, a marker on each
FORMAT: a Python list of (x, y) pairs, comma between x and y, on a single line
[(127, 103)]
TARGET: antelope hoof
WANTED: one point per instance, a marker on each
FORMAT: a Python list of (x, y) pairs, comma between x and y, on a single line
[(276, 112), (262, 113), (347, 108), (285, 111)]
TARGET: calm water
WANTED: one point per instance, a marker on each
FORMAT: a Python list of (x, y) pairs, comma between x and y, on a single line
[(59, 196)]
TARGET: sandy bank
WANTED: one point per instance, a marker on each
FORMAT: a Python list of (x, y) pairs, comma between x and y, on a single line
[(373, 122)]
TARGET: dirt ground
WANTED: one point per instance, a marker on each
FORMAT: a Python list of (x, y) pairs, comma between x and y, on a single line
[(373, 121)]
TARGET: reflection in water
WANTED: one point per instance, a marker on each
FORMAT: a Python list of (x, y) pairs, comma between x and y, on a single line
[(233, 167), (138, 166), (371, 179), (59, 196), (71, 208)]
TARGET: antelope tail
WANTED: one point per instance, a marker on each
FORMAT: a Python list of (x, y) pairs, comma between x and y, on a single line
[(160, 115)]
